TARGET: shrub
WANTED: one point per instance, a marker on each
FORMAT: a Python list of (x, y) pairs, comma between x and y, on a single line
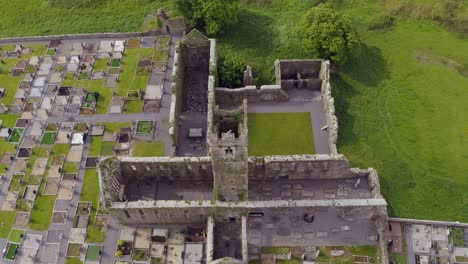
[(324, 33), (384, 22), (121, 243), (211, 16), (118, 253), (230, 70)]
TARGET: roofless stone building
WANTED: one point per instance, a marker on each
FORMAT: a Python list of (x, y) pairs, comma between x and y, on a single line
[(246, 202)]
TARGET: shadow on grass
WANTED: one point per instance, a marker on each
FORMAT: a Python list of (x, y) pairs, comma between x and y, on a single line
[(342, 91), (252, 32), (368, 66)]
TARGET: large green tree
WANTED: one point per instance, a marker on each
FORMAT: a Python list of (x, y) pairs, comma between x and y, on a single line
[(212, 16), (326, 34)]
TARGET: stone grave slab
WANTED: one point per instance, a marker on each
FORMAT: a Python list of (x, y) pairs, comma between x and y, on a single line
[(143, 238), (63, 138), (59, 217), (39, 166), (20, 166), (77, 236), (22, 220), (52, 186), (74, 155)]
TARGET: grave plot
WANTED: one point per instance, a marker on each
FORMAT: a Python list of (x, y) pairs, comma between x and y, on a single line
[(16, 134), (89, 105), (105, 49), (52, 186), (93, 253), (117, 104), (74, 250), (22, 123), (133, 43), (31, 105), (22, 219), (73, 65), (56, 78), (145, 128), (60, 105), (59, 217), (11, 251), (65, 191), (16, 236), (48, 138), (124, 248)]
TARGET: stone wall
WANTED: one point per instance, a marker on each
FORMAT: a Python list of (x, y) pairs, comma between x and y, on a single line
[(174, 212), (298, 74), (320, 166), (168, 168), (231, 97), (329, 107), (15, 40), (176, 97)]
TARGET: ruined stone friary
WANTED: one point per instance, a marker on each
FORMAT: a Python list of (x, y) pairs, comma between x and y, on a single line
[(247, 202)]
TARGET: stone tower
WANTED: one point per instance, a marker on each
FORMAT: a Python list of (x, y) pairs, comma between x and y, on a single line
[(227, 141)]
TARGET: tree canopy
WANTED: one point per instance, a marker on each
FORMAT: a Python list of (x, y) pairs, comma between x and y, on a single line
[(211, 16), (326, 34), (230, 70)]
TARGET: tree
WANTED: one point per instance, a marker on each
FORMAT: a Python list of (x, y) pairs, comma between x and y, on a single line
[(230, 70), (211, 16), (324, 33)]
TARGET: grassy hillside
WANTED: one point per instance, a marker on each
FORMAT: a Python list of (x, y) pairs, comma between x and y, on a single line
[(39, 17), (401, 103)]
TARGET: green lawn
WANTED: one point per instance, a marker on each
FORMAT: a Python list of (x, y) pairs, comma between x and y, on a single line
[(75, 16), (400, 109), (16, 236), (93, 253), (148, 149), (61, 149), (16, 134), (41, 214), (114, 126), (105, 94), (48, 138), (8, 120), (95, 147), (73, 261), (100, 65), (5, 147), (90, 193), (133, 107), (11, 253), (10, 84), (8, 218), (107, 148), (280, 134), (128, 79), (70, 167)]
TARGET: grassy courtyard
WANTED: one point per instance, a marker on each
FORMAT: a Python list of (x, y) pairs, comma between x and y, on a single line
[(280, 134), (148, 149)]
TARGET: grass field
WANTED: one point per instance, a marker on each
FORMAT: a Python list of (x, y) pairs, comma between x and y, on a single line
[(401, 110), (90, 193), (8, 218), (133, 107), (48, 138), (280, 134), (16, 236), (95, 147), (128, 79), (101, 16), (148, 149), (73, 261)]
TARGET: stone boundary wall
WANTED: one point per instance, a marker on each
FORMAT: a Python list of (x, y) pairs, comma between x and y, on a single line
[(329, 107), (159, 32), (231, 97), (176, 97), (319, 166)]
